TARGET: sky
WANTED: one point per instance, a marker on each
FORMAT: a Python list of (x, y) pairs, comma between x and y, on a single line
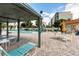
[(49, 9)]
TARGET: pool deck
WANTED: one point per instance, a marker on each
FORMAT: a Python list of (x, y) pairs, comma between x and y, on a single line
[(50, 46)]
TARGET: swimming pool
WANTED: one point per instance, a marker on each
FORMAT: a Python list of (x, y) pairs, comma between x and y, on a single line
[(24, 32)]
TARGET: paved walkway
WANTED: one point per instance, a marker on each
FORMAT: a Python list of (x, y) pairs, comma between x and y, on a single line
[(56, 47), (52, 46)]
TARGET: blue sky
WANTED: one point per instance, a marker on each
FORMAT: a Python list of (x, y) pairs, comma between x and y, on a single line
[(49, 9)]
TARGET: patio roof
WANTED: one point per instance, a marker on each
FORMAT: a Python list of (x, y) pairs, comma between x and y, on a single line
[(13, 11), (16, 12)]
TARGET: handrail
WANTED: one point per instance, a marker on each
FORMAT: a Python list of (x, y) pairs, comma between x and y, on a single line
[(3, 51)]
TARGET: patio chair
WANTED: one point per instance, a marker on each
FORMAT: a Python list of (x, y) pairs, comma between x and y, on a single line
[(12, 39), (21, 51), (66, 37)]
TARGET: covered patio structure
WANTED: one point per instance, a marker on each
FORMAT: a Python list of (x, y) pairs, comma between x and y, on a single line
[(17, 12)]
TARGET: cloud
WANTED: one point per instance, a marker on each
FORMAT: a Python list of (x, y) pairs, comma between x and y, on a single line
[(47, 17), (60, 8), (45, 14), (74, 8), (51, 15), (46, 20)]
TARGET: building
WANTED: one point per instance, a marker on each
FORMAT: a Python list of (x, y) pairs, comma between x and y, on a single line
[(61, 15), (49, 24), (70, 25)]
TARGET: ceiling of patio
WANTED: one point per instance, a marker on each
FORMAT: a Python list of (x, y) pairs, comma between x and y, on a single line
[(12, 12)]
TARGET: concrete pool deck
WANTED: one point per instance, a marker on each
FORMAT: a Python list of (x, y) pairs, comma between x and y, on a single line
[(51, 46)]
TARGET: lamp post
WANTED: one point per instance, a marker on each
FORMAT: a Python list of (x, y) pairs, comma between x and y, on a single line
[(41, 20), (39, 30)]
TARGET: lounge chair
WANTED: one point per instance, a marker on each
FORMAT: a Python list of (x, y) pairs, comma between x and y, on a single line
[(21, 51)]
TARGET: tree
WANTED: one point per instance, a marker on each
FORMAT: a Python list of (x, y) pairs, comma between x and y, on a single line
[(27, 24), (4, 25), (61, 20), (23, 25), (57, 23)]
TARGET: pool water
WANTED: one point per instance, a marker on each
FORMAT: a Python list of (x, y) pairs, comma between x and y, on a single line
[(23, 31)]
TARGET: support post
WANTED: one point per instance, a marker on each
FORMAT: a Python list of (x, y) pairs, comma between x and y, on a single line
[(0, 28), (18, 30), (39, 32), (7, 29)]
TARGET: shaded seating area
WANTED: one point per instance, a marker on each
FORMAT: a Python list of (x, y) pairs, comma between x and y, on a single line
[(21, 51), (17, 12)]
